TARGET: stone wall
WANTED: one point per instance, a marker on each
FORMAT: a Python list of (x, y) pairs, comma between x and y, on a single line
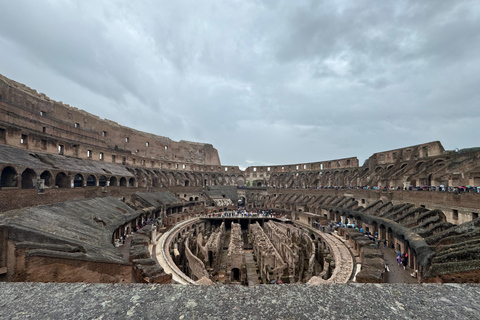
[(236, 255), (25, 112), (269, 261), (195, 265), (48, 269)]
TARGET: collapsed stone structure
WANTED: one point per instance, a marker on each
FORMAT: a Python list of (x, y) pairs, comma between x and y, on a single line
[(73, 185)]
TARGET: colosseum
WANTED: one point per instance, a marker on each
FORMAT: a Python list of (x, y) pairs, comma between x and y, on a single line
[(84, 199)]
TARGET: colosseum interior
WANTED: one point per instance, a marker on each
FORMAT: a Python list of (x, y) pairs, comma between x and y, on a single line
[(85, 199)]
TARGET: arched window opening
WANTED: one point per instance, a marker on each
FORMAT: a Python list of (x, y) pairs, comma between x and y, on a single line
[(78, 181), (123, 182), (102, 181), (61, 180), (47, 177), (91, 181), (236, 274), (9, 177), (131, 182), (28, 178), (113, 181)]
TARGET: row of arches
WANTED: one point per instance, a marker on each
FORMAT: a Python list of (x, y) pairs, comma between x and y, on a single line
[(160, 178), (377, 175), (10, 178)]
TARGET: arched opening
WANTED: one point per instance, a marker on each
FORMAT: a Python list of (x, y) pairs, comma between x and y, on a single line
[(375, 229), (236, 274), (240, 181), (187, 183), (123, 182), (102, 181), (190, 199), (131, 182), (383, 233), (47, 177), (91, 181), (61, 180), (241, 201), (210, 258), (390, 237), (259, 184), (28, 177), (113, 181), (78, 181), (418, 165), (8, 178), (196, 198)]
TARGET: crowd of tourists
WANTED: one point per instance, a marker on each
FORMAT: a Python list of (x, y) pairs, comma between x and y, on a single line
[(441, 188), (243, 213)]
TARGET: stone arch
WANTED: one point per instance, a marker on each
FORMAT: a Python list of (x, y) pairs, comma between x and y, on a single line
[(180, 179), (171, 179), (375, 228), (28, 177), (102, 181), (91, 181), (155, 182), (78, 181), (113, 181), (382, 234), (235, 274), (47, 177), (123, 182), (418, 165), (131, 182), (240, 180), (8, 177), (61, 180)]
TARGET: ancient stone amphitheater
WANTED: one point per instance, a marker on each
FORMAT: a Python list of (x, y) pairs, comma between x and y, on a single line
[(84, 199)]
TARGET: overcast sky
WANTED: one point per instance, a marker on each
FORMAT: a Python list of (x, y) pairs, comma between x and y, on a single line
[(265, 82)]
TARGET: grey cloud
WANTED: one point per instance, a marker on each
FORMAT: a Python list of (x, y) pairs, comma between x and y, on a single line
[(264, 81)]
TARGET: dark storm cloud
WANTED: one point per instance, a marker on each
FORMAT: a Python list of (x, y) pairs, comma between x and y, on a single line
[(266, 82)]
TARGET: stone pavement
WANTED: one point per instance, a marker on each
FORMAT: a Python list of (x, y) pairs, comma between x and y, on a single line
[(125, 248), (396, 274), (332, 301)]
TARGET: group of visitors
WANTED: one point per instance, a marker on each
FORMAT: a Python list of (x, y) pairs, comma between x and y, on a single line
[(242, 213), (402, 259), (458, 189), (143, 224)]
